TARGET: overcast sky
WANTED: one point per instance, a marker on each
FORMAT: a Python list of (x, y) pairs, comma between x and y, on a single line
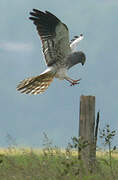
[(56, 112)]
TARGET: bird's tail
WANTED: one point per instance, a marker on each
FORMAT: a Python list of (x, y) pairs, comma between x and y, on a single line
[(37, 84)]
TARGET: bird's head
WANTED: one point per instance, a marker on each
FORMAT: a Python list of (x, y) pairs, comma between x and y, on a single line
[(82, 58), (75, 58)]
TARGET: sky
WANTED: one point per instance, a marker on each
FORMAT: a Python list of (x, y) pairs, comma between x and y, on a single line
[(56, 112)]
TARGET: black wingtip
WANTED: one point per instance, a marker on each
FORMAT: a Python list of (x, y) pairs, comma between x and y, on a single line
[(31, 18), (81, 34), (35, 9)]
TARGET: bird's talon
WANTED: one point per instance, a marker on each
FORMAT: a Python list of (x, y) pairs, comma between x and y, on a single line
[(74, 83)]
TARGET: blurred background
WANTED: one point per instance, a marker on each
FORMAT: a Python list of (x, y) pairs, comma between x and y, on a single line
[(56, 112)]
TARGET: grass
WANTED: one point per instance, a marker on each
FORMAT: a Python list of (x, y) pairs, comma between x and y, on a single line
[(48, 164)]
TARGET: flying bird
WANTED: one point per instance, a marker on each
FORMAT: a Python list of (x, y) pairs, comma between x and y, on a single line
[(60, 54)]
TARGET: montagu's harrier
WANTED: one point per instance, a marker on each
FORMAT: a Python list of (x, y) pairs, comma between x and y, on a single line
[(59, 53)]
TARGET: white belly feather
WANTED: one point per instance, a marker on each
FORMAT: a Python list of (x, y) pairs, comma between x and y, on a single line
[(61, 73)]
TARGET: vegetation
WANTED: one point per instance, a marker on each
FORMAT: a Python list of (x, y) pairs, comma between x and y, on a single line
[(28, 164), (52, 163), (107, 136)]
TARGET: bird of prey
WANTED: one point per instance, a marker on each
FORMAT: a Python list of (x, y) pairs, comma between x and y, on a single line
[(60, 54)]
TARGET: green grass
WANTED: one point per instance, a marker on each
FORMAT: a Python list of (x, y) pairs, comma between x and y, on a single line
[(28, 164)]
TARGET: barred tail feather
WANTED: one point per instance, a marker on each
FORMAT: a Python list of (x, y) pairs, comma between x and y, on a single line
[(37, 84)]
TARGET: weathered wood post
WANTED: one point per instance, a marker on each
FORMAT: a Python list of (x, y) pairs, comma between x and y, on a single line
[(87, 131)]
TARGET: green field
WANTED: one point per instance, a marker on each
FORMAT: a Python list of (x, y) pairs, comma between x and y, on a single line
[(35, 164)]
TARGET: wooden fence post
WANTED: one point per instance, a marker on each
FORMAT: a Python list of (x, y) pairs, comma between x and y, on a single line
[(87, 131)]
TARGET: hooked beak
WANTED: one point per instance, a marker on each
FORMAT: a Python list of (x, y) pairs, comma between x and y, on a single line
[(82, 63)]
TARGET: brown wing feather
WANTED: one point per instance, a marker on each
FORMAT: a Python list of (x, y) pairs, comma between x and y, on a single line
[(54, 35)]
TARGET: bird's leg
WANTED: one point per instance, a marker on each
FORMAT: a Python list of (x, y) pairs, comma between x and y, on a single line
[(72, 81), (75, 82)]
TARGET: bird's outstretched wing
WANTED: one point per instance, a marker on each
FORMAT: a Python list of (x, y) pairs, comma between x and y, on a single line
[(75, 41), (54, 36)]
